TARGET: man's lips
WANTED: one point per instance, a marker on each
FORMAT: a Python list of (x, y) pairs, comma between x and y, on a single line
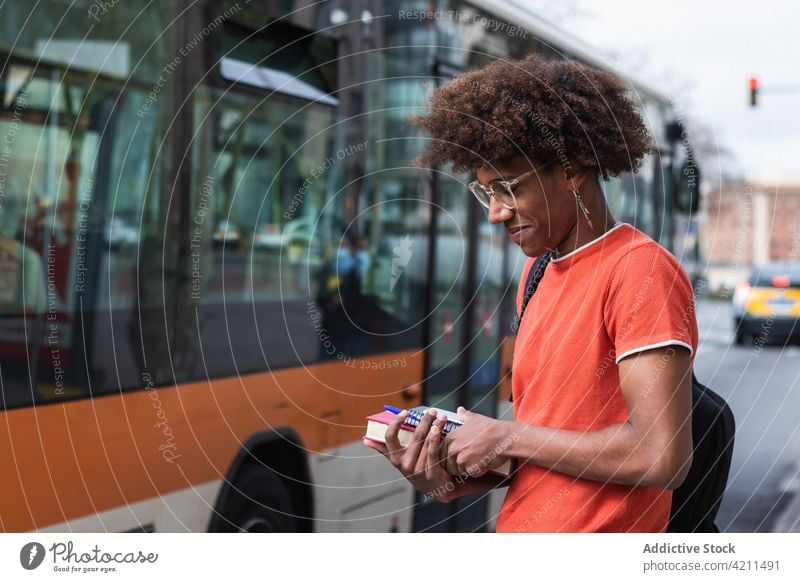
[(515, 233), (515, 229)]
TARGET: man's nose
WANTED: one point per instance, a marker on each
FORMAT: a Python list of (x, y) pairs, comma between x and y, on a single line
[(497, 212)]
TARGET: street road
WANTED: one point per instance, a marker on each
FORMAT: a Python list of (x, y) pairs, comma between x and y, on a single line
[(762, 386)]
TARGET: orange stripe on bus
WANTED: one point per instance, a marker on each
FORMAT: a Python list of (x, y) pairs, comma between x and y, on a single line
[(63, 461)]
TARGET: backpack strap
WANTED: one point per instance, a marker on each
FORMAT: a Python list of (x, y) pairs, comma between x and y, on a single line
[(534, 277)]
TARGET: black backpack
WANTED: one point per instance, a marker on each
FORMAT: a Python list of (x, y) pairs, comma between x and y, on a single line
[(696, 502)]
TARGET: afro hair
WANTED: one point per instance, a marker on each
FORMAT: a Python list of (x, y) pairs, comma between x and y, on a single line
[(549, 111)]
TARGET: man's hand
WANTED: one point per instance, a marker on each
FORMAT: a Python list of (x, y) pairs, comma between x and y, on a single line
[(420, 463), (476, 446)]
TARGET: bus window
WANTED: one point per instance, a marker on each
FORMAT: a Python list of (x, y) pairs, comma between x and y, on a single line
[(272, 254), (449, 315), (283, 267), (85, 145), (254, 210)]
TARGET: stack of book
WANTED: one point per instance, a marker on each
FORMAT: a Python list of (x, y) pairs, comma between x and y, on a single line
[(378, 423)]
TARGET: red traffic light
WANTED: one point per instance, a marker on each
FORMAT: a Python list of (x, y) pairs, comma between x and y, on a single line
[(754, 83)]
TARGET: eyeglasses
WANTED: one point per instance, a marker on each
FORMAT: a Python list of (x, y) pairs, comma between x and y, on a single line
[(505, 194)]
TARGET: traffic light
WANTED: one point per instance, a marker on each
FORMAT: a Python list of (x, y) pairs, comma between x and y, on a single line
[(754, 84)]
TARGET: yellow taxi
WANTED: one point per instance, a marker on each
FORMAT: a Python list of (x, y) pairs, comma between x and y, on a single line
[(766, 305)]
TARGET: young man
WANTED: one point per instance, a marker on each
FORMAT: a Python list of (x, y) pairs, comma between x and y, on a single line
[(601, 380)]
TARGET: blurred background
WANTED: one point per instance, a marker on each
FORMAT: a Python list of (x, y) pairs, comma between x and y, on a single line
[(216, 258)]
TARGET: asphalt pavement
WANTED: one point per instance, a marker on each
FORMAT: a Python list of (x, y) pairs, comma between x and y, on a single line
[(762, 385)]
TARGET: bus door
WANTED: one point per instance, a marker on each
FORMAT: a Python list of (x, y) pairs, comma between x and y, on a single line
[(463, 336)]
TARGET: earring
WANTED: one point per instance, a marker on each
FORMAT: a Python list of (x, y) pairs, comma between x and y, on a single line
[(582, 206)]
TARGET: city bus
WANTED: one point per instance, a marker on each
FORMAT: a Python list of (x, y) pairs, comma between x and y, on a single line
[(218, 259)]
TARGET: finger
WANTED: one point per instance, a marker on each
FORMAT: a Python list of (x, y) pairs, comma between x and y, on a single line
[(443, 448), (420, 434), (476, 471), (419, 468), (449, 458), (451, 465), (393, 446), (434, 460), (380, 447), (430, 450)]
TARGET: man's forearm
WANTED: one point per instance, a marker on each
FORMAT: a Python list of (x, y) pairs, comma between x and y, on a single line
[(614, 454)]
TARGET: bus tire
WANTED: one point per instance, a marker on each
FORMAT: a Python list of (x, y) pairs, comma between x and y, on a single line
[(259, 502)]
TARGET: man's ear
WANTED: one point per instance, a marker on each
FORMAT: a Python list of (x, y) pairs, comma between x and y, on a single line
[(577, 178)]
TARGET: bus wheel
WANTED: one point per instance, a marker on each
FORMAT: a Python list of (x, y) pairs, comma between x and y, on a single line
[(261, 504)]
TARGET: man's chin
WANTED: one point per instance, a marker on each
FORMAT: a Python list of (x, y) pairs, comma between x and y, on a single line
[(532, 250)]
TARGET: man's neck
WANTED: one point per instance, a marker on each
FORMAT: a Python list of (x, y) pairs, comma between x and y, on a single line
[(581, 234)]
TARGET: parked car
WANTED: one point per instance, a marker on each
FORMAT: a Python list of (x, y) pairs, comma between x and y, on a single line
[(227, 235), (300, 239), (269, 236), (767, 303)]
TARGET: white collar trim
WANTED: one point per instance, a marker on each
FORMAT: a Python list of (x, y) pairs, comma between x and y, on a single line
[(590, 243)]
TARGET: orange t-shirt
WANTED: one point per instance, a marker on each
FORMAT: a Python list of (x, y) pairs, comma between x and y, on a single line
[(620, 294)]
